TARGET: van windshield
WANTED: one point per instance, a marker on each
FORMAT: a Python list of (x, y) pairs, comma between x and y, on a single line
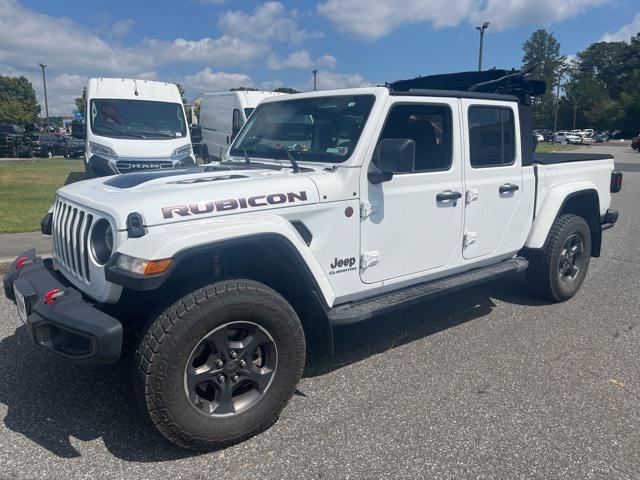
[(119, 118), (320, 129)]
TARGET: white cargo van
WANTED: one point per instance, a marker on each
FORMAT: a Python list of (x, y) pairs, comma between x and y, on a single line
[(134, 125), (222, 115)]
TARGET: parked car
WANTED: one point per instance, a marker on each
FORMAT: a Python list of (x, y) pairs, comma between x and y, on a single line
[(133, 125), (222, 115), (14, 142), (567, 137), (601, 138), (48, 145), (587, 138), (635, 143), (320, 216), (74, 147)]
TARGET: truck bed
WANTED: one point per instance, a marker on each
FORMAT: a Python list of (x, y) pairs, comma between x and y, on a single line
[(561, 157)]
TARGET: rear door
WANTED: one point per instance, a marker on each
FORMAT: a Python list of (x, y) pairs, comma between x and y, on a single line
[(415, 220), (493, 218)]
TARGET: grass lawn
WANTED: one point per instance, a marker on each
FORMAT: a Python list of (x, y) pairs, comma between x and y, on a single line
[(27, 189), (554, 147)]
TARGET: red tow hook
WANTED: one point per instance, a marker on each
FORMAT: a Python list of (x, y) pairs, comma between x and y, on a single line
[(51, 295), (22, 261)]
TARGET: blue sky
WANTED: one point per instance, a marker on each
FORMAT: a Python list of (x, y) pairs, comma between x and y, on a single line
[(216, 44)]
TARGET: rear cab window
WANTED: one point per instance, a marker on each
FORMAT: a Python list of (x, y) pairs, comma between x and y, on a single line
[(491, 136)]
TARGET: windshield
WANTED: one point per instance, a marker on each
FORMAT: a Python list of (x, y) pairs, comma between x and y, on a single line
[(137, 119), (320, 129), (248, 111)]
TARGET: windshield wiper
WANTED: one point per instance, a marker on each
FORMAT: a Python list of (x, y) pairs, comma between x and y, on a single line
[(247, 160), (294, 164), (121, 132), (155, 134)]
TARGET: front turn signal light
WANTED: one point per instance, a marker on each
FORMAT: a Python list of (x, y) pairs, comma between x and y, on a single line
[(154, 267)]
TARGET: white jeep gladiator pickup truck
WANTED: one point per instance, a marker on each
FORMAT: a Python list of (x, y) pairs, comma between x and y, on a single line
[(330, 208)]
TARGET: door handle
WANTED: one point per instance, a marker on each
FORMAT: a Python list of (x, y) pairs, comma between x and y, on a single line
[(448, 195), (508, 187)]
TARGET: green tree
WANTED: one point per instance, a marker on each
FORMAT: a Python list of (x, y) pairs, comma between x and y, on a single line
[(243, 89), (81, 102), (542, 57), (286, 90), (182, 93), (18, 102)]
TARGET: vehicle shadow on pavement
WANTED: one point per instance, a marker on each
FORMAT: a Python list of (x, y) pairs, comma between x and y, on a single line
[(52, 402), (354, 343)]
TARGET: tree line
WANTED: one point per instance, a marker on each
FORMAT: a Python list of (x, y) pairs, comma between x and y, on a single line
[(599, 88)]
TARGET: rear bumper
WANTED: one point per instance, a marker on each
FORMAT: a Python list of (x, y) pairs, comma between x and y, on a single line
[(69, 326), (609, 219)]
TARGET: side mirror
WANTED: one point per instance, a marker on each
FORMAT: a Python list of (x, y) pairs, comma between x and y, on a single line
[(395, 155), (78, 130), (196, 133)]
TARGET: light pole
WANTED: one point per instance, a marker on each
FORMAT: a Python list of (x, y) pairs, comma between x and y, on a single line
[(46, 103), (481, 30), (315, 75), (555, 121)]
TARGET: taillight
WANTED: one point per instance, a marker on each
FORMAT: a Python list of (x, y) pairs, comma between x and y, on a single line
[(616, 182)]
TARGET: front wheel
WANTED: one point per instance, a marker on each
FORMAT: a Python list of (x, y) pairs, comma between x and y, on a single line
[(557, 271), (220, 364)]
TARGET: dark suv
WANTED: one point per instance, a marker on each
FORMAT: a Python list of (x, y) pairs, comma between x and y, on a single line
[(14, 142)]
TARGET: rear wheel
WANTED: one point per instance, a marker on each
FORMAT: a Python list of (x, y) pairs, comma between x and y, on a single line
[(557, 271), (220, 364)]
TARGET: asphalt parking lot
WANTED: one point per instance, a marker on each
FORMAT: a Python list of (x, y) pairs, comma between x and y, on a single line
[(485, 383)]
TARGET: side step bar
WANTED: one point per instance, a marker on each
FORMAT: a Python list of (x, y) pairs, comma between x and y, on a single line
[(364, 309)]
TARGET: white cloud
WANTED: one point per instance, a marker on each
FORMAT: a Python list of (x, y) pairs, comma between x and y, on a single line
[(271, 84), (121, 27), (373, 20), (300, 59), (625, 33), (221, 51), (269, 21), (209, 81), (504, 14), (331, 81), (71, 47)]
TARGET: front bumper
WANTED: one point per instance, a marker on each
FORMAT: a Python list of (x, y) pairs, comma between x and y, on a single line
[(69, 325)]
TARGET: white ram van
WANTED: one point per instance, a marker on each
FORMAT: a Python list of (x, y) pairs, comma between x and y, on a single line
[(222, 115), (134, 125)]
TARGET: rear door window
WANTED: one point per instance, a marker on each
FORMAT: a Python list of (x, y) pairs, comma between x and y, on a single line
[(491, 136)]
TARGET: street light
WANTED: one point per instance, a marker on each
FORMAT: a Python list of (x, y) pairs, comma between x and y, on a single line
[(315, 75), (46, 103), (481, 30)]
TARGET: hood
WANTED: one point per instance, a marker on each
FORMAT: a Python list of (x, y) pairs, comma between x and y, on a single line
[(142, 148), (164, 197)]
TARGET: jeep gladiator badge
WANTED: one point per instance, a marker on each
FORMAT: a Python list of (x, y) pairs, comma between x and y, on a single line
[(233, 204), (342, 265)]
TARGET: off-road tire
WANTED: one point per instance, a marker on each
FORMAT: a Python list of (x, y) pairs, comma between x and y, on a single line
[(169, 341), (543, 277)]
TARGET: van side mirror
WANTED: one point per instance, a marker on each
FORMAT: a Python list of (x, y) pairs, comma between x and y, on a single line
[(395, 155), (196, 133), (78, 130)]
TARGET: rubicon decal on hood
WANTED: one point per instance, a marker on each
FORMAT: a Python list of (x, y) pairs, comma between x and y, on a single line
[(233, 204)]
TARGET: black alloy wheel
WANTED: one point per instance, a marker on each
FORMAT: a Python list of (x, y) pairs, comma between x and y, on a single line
[(231, 369)]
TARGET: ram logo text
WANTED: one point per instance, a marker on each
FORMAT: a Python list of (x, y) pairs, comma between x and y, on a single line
[(240, 203)]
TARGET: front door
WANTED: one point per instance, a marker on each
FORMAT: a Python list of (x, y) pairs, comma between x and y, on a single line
[(413, 223), (493, 221)]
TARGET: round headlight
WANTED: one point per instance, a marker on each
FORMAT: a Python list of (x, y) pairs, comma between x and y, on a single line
[(101, 241)]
